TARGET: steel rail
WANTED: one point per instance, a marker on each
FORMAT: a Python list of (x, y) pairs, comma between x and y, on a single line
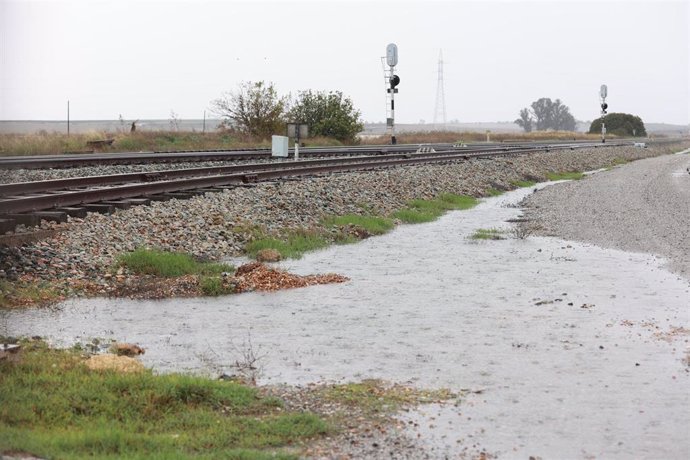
[(152, 176), (77, 160), (34, 203)]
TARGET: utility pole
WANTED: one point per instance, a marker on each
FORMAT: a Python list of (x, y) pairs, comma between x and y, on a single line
[(67, 117)]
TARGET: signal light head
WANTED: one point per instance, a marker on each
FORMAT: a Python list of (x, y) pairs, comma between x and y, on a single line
[(394, 81), (604, 106)]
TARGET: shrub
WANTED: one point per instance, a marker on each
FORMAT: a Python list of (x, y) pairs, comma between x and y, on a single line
[(621, 124)]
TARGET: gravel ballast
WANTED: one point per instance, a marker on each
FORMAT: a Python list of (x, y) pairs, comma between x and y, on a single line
[(210, 226), (639, 207)]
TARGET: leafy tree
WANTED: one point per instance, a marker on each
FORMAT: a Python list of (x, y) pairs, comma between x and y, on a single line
[(547, 114), (254, 109), (621, 124), (525, 121), (327, 114)]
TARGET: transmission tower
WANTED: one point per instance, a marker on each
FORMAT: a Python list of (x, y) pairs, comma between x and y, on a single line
[(440, 109)]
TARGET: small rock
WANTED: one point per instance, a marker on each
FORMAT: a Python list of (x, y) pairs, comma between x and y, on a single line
[(127, 349)]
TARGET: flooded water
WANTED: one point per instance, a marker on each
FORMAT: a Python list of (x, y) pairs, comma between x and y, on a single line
[(576, 351)]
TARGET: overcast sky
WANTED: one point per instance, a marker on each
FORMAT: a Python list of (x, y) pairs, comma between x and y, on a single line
[(142, 59)]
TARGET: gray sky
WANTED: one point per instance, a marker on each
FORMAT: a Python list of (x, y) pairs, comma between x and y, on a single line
[(143, 59)]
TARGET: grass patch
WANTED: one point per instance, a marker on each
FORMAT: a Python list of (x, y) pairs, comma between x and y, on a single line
[(374, 396), (523, 183), (458, 202), (565, 176), (168, 264), (19, 293), (419, 211), (487, 234), (55, 407), (214, 286), (293, 246), (415, 216), (619, 161), (494, 192), (372, 224)]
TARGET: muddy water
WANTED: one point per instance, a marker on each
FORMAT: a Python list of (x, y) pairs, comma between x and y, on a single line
[(572, 348)]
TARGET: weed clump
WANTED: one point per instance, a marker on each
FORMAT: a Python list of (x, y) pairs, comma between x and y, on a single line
[(487, 234), (168, 264)]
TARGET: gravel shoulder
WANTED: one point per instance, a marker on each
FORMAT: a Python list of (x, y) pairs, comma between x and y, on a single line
[(641, 207)]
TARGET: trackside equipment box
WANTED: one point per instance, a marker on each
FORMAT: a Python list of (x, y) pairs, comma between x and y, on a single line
[(279, 146)]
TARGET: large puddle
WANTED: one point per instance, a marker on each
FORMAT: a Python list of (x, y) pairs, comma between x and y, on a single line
[(574, 350)]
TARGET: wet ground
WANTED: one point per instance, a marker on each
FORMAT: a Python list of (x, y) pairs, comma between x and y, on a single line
[(573, 351)]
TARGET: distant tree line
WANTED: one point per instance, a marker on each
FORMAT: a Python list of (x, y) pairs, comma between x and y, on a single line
[(545, 114), (621, 124), (256, 109)]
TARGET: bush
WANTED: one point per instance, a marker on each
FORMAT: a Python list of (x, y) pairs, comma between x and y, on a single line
[(621, 124), (327, 114)]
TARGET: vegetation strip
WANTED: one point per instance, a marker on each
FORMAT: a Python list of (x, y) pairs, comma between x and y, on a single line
[(55, 405)]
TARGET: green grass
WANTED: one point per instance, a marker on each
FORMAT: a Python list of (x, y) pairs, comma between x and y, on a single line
[(168, 264), (565, 176), (457, 202), (374, 396), (487, 234), (372, 224), (415, 216), (214, 286), (419, 211), (494, 192), (523, 183), (293, 246), (54, 407), (22, 293)]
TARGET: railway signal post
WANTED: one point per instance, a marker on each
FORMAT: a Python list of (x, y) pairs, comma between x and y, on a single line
[(393, 81), (602, 94)]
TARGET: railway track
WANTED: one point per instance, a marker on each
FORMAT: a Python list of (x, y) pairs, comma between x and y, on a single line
[(30, 202), (80, 160)]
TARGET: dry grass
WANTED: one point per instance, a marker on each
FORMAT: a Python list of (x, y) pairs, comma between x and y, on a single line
[(429, 137), (45, 143), (146, 141)]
